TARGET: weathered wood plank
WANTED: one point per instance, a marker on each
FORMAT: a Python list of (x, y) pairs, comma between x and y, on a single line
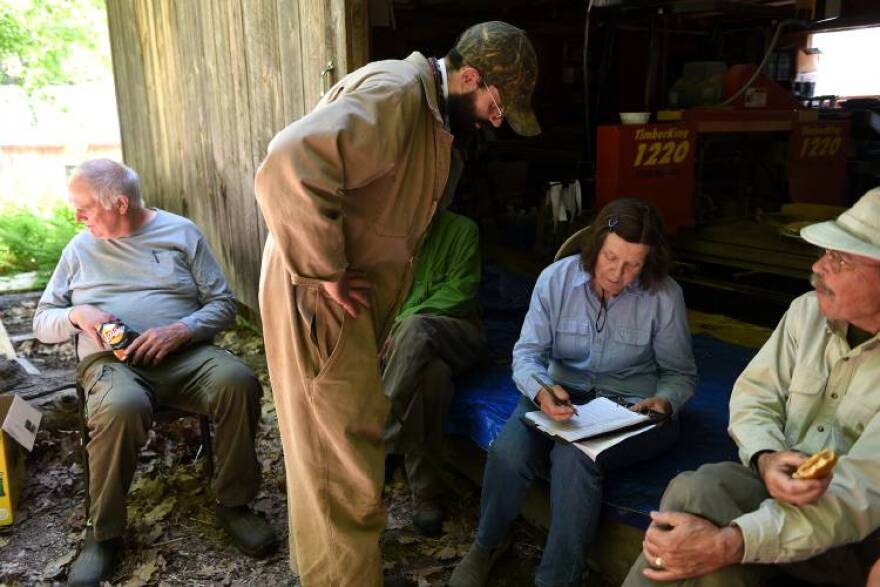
[(350, 23), (291, 60), (266, 97), (314, 18), (203, 86)]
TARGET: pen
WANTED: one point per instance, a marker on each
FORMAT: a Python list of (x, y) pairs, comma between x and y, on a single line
[(556, 399)]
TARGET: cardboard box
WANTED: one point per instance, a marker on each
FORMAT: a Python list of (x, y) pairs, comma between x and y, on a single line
[(19, 430)]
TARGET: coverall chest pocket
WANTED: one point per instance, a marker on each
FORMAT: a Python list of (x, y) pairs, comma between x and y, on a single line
[(572, 339), (397, 203)]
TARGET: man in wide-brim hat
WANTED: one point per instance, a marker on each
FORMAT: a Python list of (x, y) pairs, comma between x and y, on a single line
[(813, 385)]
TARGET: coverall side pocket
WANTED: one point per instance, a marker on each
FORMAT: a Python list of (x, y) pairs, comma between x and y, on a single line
[(331, 327), (323, 324)]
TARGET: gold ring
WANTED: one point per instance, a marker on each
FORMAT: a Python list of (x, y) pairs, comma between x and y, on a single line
[(658, 562)]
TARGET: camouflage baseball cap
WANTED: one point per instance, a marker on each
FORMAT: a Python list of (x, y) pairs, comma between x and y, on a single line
[(505, 58)]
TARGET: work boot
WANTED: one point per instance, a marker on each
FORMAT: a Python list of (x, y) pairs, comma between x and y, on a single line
[(96, 561), (474, 568), (428, 517), (250, 532)]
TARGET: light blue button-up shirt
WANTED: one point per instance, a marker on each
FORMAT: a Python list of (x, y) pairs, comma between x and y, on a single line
[(643, 350)]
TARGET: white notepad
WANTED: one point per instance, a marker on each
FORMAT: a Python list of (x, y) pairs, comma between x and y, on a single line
[(595, 418)]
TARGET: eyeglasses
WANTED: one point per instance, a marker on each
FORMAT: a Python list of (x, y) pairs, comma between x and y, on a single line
[(841, 262), (494, 103)]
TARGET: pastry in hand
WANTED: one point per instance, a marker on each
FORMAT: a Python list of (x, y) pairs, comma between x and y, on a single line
[(817, 466)]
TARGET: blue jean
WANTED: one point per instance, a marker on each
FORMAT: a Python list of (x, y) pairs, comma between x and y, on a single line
[(520, 454)]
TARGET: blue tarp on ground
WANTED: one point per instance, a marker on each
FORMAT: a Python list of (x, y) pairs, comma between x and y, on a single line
[(486, 397)]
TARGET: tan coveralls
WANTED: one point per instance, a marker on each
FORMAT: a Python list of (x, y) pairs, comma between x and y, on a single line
[(352, 185)]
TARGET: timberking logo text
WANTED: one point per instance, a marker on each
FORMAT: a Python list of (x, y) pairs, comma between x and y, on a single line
[(656, 134)]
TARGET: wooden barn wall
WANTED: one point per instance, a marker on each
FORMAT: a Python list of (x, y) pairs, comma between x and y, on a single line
[(202, 87)]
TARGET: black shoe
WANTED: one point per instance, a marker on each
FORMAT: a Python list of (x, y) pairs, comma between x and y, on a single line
[(428, 517), (96, 561), (250, 532)]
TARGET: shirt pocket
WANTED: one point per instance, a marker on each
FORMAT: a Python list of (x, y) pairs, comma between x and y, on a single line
[(572, 339), (632, 336), (858, 406), (804, 400), (167, 268), (626, 347)]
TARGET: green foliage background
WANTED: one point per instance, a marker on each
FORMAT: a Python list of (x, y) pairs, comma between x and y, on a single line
[(46, 42), (31, 241)]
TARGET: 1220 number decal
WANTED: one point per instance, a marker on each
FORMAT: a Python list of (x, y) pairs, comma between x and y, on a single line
[(661, 153), (820, 147)]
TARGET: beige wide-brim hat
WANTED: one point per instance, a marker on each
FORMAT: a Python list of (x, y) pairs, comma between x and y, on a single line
[(856, 231)]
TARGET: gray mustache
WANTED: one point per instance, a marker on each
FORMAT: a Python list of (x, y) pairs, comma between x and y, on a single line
[(817, 283)]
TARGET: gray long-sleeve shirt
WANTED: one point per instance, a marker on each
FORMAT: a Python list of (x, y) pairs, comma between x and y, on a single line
[(161, 274)]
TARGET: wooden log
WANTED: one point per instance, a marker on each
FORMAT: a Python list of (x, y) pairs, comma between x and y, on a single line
[(11, 373), (53, 394)]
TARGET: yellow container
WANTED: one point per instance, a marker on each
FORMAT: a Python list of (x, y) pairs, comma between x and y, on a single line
[(12, 456)]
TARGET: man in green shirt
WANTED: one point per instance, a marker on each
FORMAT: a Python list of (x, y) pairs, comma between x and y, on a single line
[(436, 335), (813, 385)]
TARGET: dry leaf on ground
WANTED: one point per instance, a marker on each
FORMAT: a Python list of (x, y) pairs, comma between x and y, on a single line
[(55, 567)]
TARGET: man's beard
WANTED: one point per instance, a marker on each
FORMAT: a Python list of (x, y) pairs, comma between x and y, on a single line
[(462, 115)]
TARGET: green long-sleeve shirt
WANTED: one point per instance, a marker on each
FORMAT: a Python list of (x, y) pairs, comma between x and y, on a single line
[(447, 270)]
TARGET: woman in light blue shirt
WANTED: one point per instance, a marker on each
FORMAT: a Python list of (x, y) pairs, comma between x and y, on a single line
[(609, 321)]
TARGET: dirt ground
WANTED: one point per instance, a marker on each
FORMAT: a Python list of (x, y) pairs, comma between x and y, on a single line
[(171, 538)]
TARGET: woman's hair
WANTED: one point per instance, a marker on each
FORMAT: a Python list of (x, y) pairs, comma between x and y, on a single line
[(634, 221)]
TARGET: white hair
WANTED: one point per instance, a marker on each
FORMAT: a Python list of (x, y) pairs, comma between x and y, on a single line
[(109, 179)]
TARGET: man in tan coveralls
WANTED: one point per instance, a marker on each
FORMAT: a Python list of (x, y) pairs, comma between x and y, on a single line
[(348, 192)]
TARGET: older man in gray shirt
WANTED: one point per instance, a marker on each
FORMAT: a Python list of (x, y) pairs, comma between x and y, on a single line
[(153, 271)]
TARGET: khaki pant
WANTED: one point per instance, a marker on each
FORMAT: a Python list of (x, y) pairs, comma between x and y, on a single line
[(331, 410), (426, 353), (120, 401), (721, 492)]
